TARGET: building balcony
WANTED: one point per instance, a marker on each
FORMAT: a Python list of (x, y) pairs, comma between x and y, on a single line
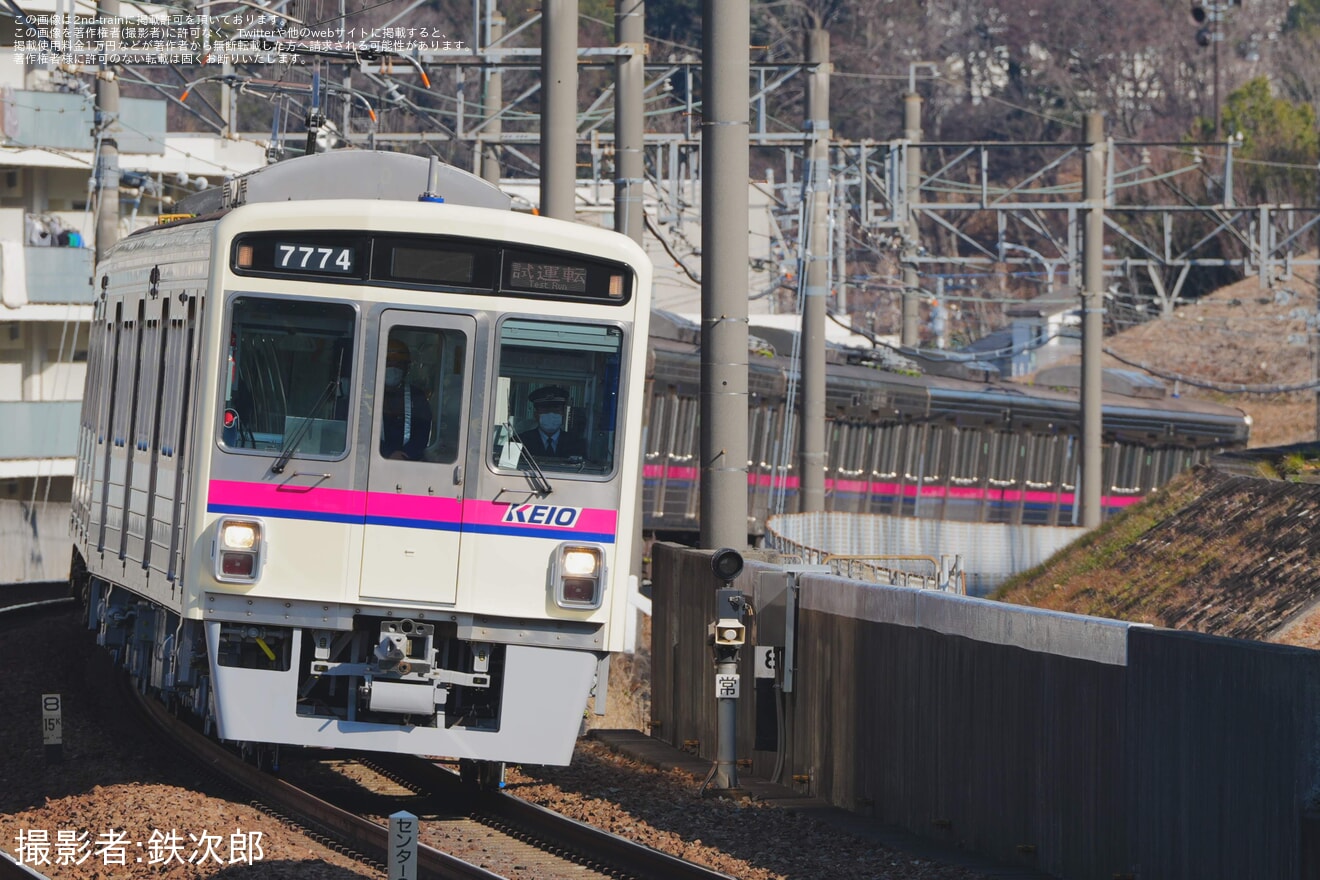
[(42, 262), (39, 429), (63, 120), (59, 275)]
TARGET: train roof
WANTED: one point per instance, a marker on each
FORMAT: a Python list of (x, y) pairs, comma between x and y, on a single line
[(1136, 408), (350, 174), (951, 369), (778, 341), (1129, 383)]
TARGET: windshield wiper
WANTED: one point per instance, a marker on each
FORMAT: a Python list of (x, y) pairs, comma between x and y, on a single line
[(535, 475), (291, 444)]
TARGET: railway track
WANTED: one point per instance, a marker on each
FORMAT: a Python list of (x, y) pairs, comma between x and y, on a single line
[(516, 838), (19, 602), (609, 855)]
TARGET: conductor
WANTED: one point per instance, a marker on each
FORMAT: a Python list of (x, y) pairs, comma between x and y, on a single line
[(405, 412), (548, 439)]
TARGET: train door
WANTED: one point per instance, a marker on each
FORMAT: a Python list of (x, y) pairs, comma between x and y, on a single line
[(415, 475)]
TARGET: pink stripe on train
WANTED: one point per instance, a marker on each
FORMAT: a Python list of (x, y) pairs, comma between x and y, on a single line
[(275, 496)]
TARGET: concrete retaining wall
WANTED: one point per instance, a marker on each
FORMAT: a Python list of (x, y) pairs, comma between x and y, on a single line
[(992, 552), (34, 541)]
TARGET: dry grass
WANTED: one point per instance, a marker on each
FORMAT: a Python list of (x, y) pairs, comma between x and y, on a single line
[(1210, 552), (1239, 335), (628, 698)]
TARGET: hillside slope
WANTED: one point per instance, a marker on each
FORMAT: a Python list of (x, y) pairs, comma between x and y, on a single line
[(1213, 552), (1240, 335)]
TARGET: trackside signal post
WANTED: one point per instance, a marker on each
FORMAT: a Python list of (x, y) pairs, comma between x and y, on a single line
[(727, 635)]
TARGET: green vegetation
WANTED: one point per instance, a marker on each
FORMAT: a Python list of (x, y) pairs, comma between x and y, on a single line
[(1303, 16), (1279, 146), (1298, 465)]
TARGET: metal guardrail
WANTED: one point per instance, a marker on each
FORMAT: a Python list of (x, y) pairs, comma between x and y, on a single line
[(946, 574)]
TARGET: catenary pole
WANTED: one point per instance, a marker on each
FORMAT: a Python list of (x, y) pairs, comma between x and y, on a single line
[(107, 110), (559, 84), (816, 273), (726, 35), (1093, 279), (629, 130), (912, 232), (630, 78), (492, 104)]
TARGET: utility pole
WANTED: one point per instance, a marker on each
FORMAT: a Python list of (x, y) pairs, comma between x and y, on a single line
[(912, 231), (1218, 37), (107, 125), (488, 148), (559, 84), (1315, 363), (725, 42), (1093, 280), (816, 272), (1211, 16)]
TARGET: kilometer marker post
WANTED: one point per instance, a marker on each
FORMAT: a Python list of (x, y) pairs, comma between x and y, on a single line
[(52, 727)]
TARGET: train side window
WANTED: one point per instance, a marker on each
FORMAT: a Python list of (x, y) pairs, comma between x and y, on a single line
[(558, 396), (144, 427), (288, 377), (423, 395), (124, 367), (660, 421)]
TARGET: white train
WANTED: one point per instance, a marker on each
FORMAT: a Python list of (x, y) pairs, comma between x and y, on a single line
[(358, 457)]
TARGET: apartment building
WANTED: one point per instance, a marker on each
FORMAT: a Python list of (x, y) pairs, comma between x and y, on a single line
[(47, 257)]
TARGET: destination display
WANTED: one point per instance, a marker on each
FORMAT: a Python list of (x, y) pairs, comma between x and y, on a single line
[(551, 277)]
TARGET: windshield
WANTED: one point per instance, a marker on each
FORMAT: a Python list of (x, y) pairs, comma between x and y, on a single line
[(288, 374), (557, 400)]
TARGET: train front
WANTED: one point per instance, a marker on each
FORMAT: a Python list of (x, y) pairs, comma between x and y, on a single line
[(419, 457)]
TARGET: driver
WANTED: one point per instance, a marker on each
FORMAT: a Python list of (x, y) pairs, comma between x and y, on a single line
[(550, 439)]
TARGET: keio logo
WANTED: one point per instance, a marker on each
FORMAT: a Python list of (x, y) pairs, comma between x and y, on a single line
[(543, 515)]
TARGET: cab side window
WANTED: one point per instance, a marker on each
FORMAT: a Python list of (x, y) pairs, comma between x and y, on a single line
[(557, 396)]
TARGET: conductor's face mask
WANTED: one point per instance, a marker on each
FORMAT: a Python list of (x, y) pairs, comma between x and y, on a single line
[(550, 422), (393, 376)]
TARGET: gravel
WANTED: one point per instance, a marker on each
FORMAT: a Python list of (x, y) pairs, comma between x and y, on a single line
[(126, 811)]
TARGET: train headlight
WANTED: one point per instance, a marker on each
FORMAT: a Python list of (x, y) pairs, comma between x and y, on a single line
[(578, 575), (238, 556), (580, 562), (239, 535)]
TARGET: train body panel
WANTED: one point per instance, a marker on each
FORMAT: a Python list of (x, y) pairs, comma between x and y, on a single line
[(136, 414), (346, 540)]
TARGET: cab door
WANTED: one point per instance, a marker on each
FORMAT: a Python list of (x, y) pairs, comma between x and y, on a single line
[(415, 477)]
